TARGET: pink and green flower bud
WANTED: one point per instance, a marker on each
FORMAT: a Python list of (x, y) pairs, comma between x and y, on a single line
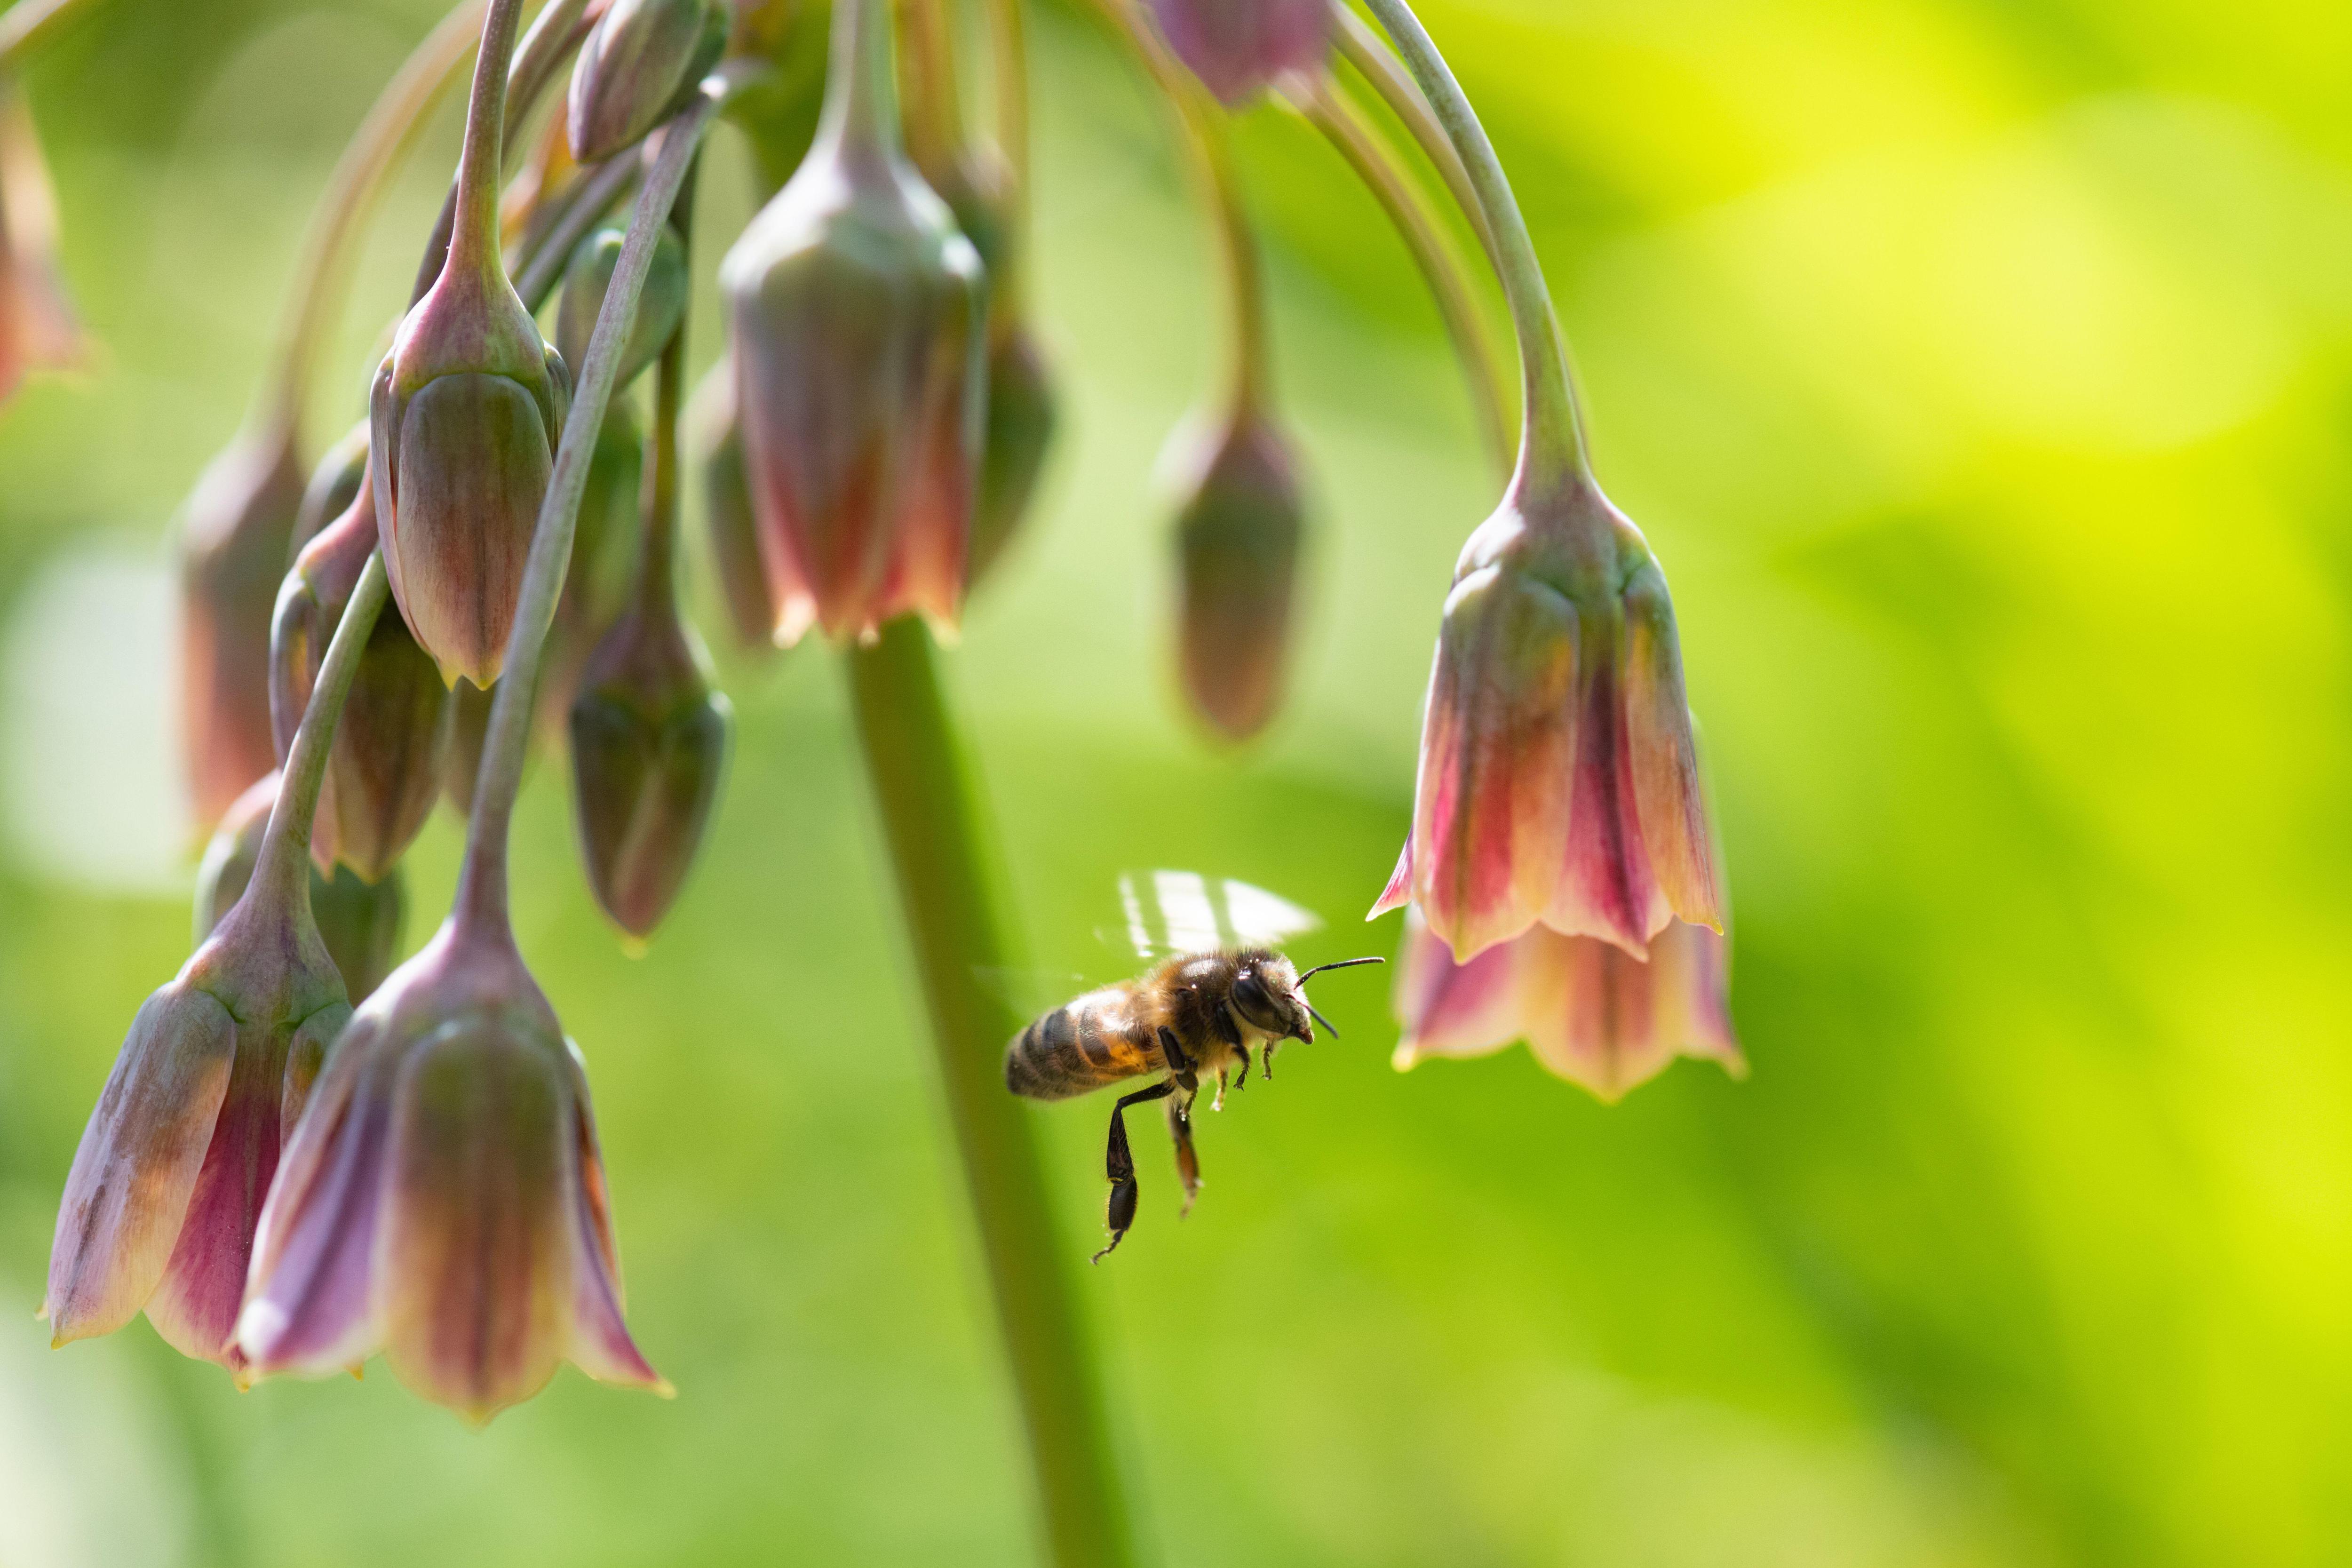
[(234, 535), (1559, 781), (443, 1199), (1021, 420), (659, 308), (635, 70), (857, 334), (167, 1187), (1590, 1012), (1237, 536), (335, 483), (464, 420), (359, 921), (38, 330), (604, 558), (1237, 46), (393, 741), (650, 740), (734, 531)]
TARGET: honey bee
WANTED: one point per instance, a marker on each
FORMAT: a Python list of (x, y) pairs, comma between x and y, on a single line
[(1195, 1014)]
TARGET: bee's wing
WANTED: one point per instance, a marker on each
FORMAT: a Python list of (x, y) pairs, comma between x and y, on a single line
[(1030, 992), (1166, 912)]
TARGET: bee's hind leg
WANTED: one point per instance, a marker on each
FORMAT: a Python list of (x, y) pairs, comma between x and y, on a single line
[(1118, 1165), (1188, 1163)]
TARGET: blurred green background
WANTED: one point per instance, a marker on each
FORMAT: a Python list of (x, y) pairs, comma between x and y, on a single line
[(1982, 370)]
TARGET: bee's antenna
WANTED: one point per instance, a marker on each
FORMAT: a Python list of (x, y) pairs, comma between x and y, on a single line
[(1342, 963), (1329, 1027)]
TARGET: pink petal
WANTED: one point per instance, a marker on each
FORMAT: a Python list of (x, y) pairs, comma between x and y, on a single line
[(476, 1248), (1606, 888), (1450, 1009), (600, 1344), (139, 1162), (195, 1304), (1399, 892), (1500, 731), (1662, 759)]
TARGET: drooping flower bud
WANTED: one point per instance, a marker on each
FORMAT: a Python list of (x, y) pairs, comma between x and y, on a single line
[(393, 741), (359, 921), (603, 559), (443, 1199), (659, 307), (858, 318), (734, 533), (334, 484), (1237, 534), (637, 65), (168, 1184), (1021, 420), (648, 734), (1590, 1012), (464, 420), (234, 534), (37, 329), (1559, 780), (1237, 46)]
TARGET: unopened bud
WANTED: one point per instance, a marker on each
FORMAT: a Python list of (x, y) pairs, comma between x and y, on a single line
[(234, 534), (359, 921), (659, 308), (603, 554), (718, 440), (1237, 537), (860, 365), (1021, 420), (1237, 46), (464, 417), (640, 61), (334, 484), (391, 739)]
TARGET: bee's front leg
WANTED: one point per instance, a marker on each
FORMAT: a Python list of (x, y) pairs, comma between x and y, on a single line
[(1118, 1166)]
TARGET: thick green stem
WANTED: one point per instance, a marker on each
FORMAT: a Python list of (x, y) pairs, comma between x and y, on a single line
[(284, 863), (1212, 161), (1009, 53), (1441, 269), (30, 26), (482, 881), (935, 129), (382, 139), (939, 848), (1551, 443)]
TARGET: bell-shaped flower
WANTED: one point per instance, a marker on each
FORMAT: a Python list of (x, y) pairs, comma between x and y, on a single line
[(1237, 534), (858, 343), (160, 1206), (1237, 46), (463, 419), (636, 67), (444, 1198), (359, 919), (1559, 782), (733, 531), (393, 741), (38, 330), (1590, 1011), (233, 536), (661, 305)]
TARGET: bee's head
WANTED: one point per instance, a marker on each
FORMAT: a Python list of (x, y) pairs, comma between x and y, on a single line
[(1271, 995)]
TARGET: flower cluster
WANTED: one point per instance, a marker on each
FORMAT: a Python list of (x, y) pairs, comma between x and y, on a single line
[(306, 1154)]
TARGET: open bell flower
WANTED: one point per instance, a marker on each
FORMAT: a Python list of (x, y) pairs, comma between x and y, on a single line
[(1237, 534), (393, 740), (1559, 781), (444, 1198), (168, 1184), (640, 59), (1237, 46), (38, 330), (1590, 1011), (858, 318), (359, 919)]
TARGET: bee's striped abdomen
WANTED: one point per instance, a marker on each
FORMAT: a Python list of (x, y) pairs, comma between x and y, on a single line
[(1095, 1040)]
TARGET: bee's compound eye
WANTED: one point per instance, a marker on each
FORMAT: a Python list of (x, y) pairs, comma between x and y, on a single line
[(1250, 995)]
